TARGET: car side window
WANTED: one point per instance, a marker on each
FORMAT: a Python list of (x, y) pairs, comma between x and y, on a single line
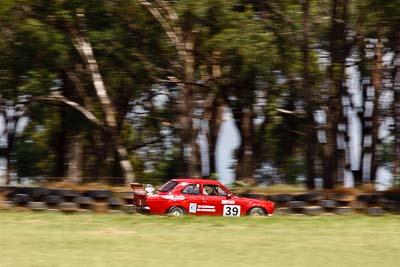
[(221, 192), (213, 190), (191, 189)]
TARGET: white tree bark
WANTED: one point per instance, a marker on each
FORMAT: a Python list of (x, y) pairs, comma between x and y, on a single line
[(84, 47), (75, 160)]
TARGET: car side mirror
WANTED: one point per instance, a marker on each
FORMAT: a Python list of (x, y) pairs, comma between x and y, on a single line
[(229, 196)]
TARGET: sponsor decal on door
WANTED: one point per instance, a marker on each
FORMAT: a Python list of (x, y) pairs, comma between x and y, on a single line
[(192, 207), (206, 208)]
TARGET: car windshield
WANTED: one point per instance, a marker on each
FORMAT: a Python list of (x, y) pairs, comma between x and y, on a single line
[(168, 186)]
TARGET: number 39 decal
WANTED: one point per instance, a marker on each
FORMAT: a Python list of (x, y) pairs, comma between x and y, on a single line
[(231, 210)]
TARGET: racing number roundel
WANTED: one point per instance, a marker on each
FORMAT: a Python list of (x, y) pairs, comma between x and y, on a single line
[(231, 210)]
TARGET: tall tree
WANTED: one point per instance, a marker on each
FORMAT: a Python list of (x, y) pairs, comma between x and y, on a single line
[(308, 99), (182, 37), (334, 159), (397, 105), (84, 47), (248, 57)]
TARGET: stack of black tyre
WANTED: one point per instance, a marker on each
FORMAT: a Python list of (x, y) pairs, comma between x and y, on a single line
[(58, 200), (105, 201), (318, 202)]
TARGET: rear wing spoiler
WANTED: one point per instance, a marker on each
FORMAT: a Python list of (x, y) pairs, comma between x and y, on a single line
[(136, 186)]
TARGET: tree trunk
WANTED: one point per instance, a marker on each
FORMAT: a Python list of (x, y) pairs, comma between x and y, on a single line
[(376, 75), (8, 169), (189, 127), (214, 127), (307, 91), (214, 111), (358, 174), (329, 151), (245, 158), (10, 148), (61, 140), (84, 48), (6, 153), (360, 111), (11, 115), (396, 177), (164, 13), (75, 164), (334, 154)]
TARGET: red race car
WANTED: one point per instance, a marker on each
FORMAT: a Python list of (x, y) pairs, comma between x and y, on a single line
[(199, 197)]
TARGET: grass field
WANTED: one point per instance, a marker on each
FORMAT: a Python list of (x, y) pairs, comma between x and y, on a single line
[(33, 239)]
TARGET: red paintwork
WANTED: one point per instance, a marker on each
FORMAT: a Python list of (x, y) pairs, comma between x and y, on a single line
[(202, 204)]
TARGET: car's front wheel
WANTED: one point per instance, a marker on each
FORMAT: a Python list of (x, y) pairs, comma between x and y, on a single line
[(176, 211), (257, 211)]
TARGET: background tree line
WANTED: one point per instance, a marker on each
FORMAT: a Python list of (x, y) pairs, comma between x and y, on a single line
[(118, 88)]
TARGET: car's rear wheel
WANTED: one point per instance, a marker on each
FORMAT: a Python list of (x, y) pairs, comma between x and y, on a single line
[(257, 211), (176, 211)]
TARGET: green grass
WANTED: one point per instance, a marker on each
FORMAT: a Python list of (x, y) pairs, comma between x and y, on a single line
[(33, 239)]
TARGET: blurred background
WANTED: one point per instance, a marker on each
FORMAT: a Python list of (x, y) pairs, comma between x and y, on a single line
[(261, 92)]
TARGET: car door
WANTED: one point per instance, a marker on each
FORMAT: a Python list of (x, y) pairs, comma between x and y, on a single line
[(191, 198), (213, 199)]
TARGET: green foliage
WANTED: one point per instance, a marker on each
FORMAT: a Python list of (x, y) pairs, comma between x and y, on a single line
[(262, 64), (35, 155)]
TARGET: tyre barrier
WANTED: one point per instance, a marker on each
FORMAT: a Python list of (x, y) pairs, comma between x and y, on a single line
[(297, 207), (309, 196), (328, 204), (23, 190), (370, 199), (254, 196), (297, 204), (391, 206), (99, 194), (114, 203), (56, 200), (35, 193), (341, 198), (358, 206), (392, 195), (3, 189), (67, 194), (130, 209), (345, 210), (100, 207), (283, 211), (85, 203), (280, 198), (37, 206), (313, 210), (126, 196), (22, 199), (375, 211), (40, 194), (68, 207)]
